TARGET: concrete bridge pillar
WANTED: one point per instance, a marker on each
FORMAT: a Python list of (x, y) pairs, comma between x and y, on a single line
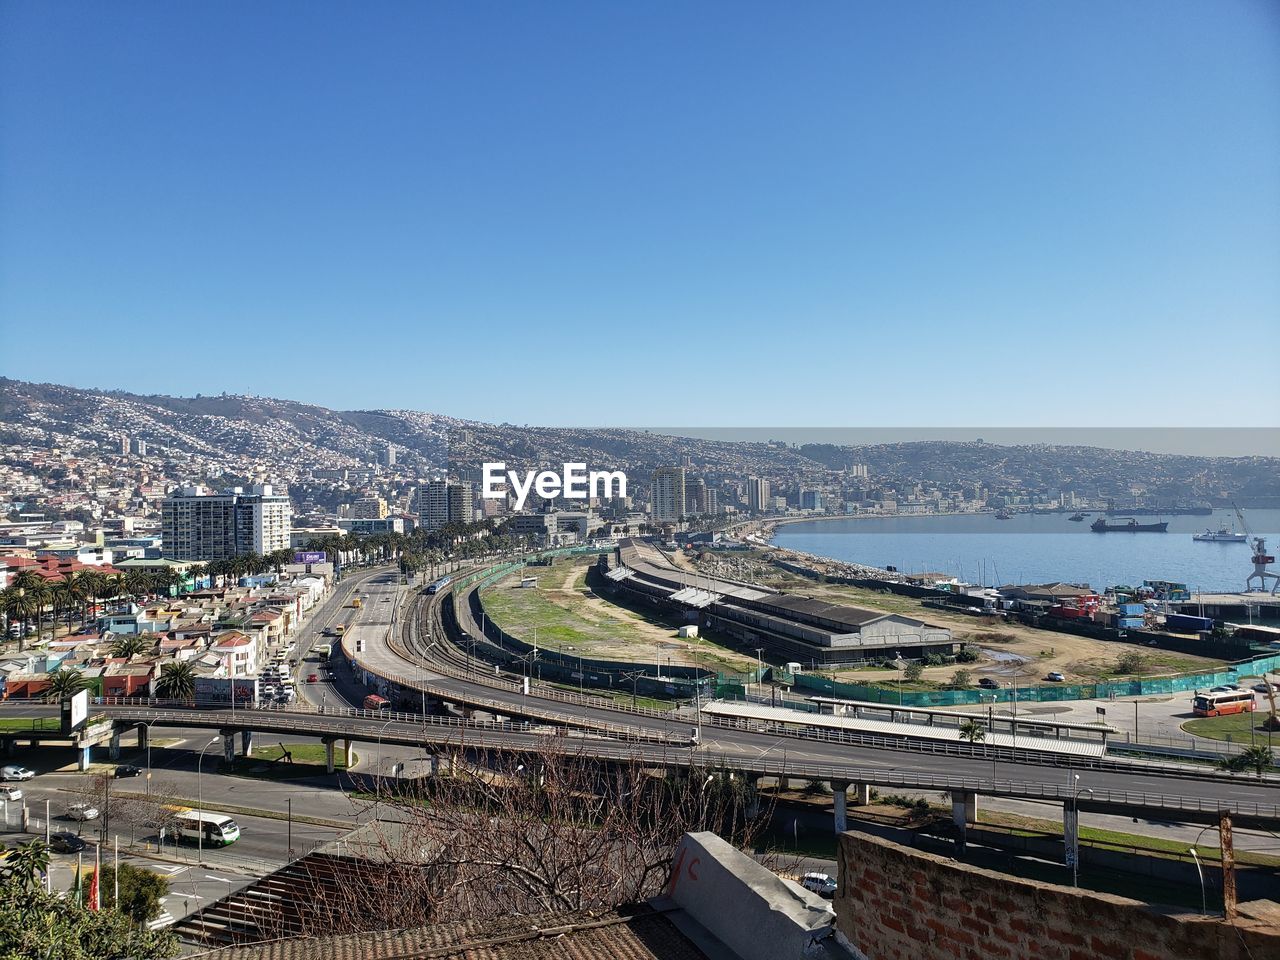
[(144, 733), (82, 761), (328, 755), (229, 746), (841, 797), (861, 794), (246, 743), (348, 754), (964, 811), (113, 750)]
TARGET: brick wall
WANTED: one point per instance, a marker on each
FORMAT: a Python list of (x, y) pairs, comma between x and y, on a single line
[(895, 903)]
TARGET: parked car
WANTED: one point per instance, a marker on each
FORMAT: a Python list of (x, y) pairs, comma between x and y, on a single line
[(823, 884), (127, 770), (64, 842), (1053, 676), (10, 793), (1225, 688), (986, 683), (16, 772), (82, 812), (1264, 686)]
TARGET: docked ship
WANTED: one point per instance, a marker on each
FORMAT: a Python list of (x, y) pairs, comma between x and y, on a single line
[(1004, 515), (1221, 535), (1131, 525), (1076, 517)]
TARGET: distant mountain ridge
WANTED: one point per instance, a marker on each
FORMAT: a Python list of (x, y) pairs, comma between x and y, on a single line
[(287, 438)]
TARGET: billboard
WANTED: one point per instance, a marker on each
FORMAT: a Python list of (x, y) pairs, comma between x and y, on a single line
[(75, 711), (311, 556)]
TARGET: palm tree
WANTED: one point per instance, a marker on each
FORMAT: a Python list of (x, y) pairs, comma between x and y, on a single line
[(177, 682), (197, 573), (34, 594), (1256, 758), (973, 731), (64, 683), (27, 863), (129, 646), (139, 583)]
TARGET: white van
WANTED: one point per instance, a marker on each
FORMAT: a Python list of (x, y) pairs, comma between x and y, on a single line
[(218, 829)]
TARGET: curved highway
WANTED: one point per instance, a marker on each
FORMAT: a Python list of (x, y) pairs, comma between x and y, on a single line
[(430, 654)]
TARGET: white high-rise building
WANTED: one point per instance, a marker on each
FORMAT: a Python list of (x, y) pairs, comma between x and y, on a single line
[(669, 493), (441, 503), (198, 524), (758, 499)]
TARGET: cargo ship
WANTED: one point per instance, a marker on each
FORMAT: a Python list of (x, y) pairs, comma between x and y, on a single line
[(1130, 526)]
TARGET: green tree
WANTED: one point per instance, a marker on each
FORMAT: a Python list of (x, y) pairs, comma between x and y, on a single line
[(140, 891), (1257, 758), (64, 683), (177, 682), (973, 731), (1129, 663), (26, 864), (130, 645), (34, 923), (913, 671), (139, 583), (961, 679)]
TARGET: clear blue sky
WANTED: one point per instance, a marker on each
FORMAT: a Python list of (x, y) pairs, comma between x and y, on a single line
[(830, 213)]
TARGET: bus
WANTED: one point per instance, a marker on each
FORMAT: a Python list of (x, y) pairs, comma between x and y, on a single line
[(375, 702), (1220, 702), (439, 584), (218, 829)]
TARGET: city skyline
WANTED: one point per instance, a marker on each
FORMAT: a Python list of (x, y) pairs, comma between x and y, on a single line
[(873, 209)]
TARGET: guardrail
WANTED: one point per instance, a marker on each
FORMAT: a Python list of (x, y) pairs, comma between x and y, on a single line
[(317, 719)]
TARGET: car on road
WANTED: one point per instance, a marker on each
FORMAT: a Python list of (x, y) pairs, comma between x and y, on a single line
[(82, 812), (1053, 676), (986, 683), (1225, 688), (312, 678), (10, 793), (64, 842), (127, 770), (823, 884), (16, 772), (1264, 686)]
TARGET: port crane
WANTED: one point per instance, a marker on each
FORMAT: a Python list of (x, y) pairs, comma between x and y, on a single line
[(1261, 560)]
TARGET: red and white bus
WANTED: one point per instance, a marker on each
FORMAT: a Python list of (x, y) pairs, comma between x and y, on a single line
[(1217, 703)]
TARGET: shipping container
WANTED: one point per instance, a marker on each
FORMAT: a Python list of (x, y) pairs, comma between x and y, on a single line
[(1185, 623)]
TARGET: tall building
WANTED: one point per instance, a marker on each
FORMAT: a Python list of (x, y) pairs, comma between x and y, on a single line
[(669, 493), (758, 500), (369, 508), (198, 525), (139, 447), (124, 444), (695, 491), (389, 455), (441, 503)]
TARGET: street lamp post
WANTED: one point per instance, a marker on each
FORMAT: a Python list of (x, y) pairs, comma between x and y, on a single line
[(1204, 908), (200, 801)]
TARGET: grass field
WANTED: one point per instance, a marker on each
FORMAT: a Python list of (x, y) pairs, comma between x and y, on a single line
[(1237, 727), (308, 761), (562, 614), (22, 724)]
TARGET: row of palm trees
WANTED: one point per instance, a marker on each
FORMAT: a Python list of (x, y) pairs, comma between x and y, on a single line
[(32, 598)]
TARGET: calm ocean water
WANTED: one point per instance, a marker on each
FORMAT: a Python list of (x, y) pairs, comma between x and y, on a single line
[(1039, 549)]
